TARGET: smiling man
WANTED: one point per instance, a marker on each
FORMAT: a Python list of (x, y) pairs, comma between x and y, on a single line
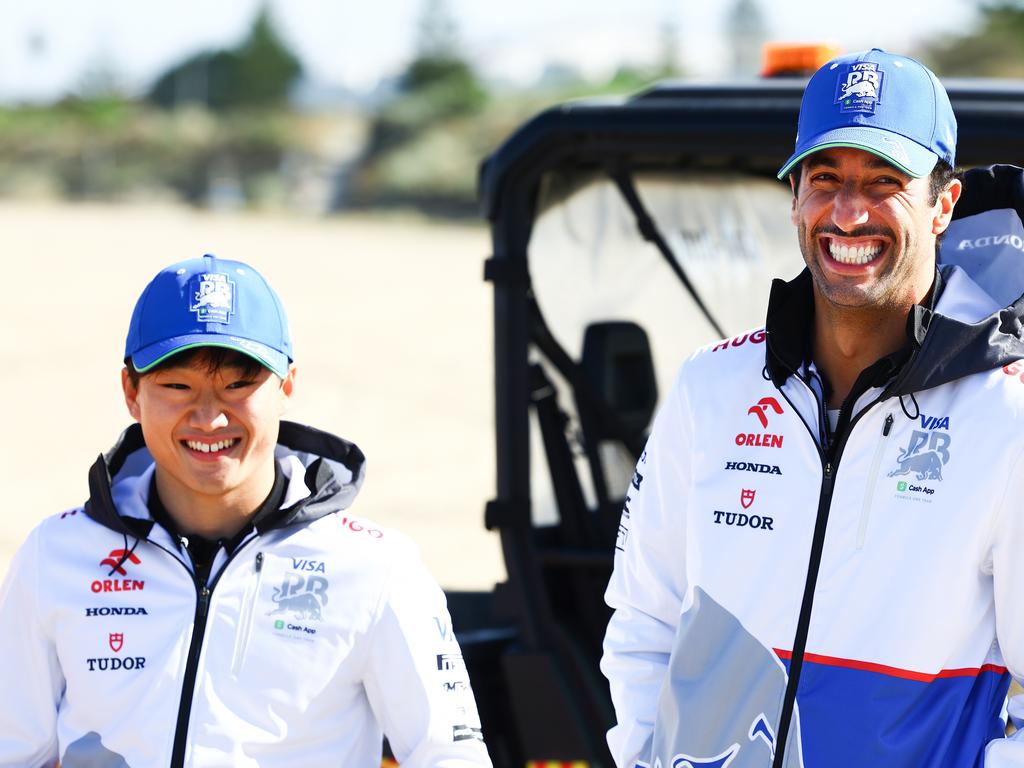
[(213, 602), (857, 606)]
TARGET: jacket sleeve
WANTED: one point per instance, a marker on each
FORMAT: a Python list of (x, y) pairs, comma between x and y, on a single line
[(30, 675), (416, 680), (648, 582), (1007, 567)]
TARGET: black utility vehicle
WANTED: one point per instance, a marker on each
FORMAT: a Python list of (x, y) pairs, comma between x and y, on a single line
[(625, 233)]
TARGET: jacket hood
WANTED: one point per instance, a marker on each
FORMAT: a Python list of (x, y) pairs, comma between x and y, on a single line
[(324, 474), (966, 332)]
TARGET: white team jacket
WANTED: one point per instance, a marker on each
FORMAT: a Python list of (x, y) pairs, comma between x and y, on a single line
[(916, 622), (320, 633)]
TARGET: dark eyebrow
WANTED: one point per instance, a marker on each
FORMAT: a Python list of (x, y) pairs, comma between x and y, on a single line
[(820, 159), (874, 162)]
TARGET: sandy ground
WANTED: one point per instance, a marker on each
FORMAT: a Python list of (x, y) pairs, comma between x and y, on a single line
[(392, 330)]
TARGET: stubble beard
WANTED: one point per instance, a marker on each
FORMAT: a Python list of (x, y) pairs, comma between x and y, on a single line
[(887, 291)]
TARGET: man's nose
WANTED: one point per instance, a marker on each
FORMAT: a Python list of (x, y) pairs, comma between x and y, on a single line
[(850, 208), (208, 414)]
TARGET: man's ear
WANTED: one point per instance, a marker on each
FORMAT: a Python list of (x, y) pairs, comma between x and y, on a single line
[(792, 206), (944, 206), (131, 394), (288, 387)]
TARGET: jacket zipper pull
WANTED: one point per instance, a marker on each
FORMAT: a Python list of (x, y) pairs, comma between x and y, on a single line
[(887, 426), (259, 556), (204, 600)]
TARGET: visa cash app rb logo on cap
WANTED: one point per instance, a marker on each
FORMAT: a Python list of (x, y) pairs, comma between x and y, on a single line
[(213, 297), (859, 87)]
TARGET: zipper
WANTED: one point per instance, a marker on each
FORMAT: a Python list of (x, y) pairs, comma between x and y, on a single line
[(203, 595), (247, 619), (191, 667), (876, 461), (830, 465)]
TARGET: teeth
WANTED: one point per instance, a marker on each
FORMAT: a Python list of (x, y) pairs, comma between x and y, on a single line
[(195, 445), (844, 254)]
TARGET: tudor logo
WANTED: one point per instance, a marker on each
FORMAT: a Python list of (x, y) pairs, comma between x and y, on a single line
[(761, 409), (747, 497), (116, 640)]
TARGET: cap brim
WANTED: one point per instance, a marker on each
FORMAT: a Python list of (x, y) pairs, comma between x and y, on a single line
[(902, 153), (148, 357)]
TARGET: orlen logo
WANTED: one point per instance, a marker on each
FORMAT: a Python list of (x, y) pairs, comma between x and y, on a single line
[(762, 439), (115, 560), (757, 337)]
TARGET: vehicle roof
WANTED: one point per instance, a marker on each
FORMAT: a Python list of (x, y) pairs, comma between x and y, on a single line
[(746, 126)]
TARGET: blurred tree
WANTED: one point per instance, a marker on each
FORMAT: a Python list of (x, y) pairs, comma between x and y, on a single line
[(747, 34), (265, 67), (439, 73), (993, 48), (257, 73), (668, 50)]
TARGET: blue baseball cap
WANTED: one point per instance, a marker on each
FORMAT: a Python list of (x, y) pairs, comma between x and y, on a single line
[(209, 302), (889, 105)]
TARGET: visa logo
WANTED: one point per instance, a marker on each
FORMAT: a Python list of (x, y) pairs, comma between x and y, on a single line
[(302, 564), (934, 422)]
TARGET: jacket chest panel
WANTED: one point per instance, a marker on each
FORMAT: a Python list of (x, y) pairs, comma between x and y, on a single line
[(291, 623), (908, 533), (120, 625), (751, 511)]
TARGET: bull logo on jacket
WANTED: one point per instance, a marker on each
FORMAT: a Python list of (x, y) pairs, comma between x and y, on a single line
[(927, 452), (301, 596)]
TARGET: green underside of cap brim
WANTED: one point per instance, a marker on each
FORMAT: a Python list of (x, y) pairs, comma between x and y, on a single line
[(234, 348), (848, 145)]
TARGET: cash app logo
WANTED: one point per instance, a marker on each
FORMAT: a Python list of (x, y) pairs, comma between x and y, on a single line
[(901, 486), (280, 624)]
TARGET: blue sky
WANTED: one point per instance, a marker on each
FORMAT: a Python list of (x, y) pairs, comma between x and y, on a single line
[(46, 47)]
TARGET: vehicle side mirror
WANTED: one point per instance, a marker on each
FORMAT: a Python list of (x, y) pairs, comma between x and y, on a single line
[(618, 367)]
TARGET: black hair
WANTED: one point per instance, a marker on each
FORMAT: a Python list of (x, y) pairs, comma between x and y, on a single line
[(212, 358)]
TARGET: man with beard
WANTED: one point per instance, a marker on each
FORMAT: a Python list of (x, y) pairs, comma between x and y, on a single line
[(855, 605)]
